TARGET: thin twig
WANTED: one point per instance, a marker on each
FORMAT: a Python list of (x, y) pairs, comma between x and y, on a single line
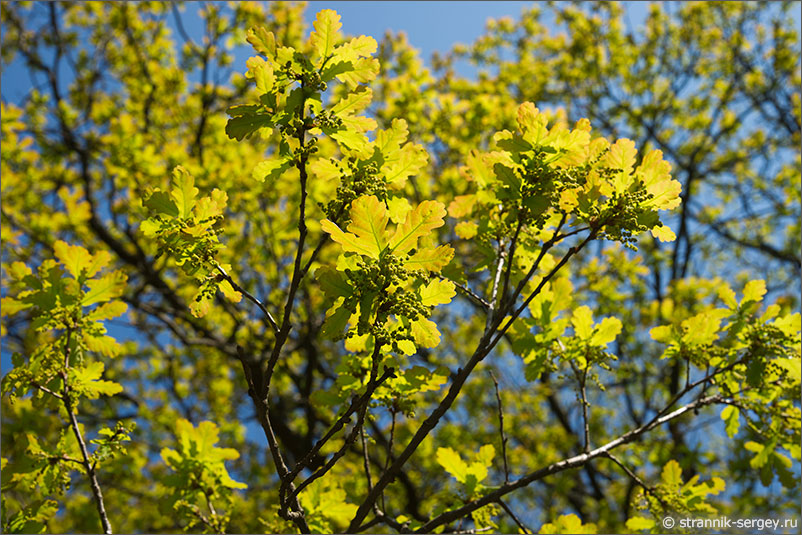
[(491, 312), (560, 466), (634, 477), (393, 412), (247, 294), (87, 464), (468, 292), (511, 259), (501, 428), (515, 518), (472, 531), (46, 390), (373, 384), (583, 379), (365, 458), (628, 472)]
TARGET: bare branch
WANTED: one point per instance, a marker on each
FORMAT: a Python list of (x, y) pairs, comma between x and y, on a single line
[(468, 292), (514, 518), (247, 294), (501, 429)]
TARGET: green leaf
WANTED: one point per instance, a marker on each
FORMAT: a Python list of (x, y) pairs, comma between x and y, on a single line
[(362, 71), (430, 259), (726, 294), (325, 169), (366, 233), (606, 331), (333, 283), (662, 333), (389, 141), (241, 126), (359, 47), (466, 229), (622, 158), (511, 142), (10, 306), (87, 381), (425, 332), (398, 208), (229, 292), (763, 451), (731, 415), (407, 347), (582, 320), (335, 323), (754, 291), (486, 455), (409, 160), (663, 233), (151, 227), (263, 41), (508, 177), (351, 139), (161, 203), (105, 288), (568, 524), (200, 305), (654, 172), (327, 27), (354, 102), (424, 218), (271, 169), (262, 74), (532, 123), (74, 257), (184, 192), (324, 501), (703, 328), (32, 518), (197, 457), (103, 344), (437, 292), (639, 523), (672, 474), (452, 463)]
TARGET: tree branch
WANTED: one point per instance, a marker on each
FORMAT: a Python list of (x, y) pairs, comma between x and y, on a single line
[(247, 294), (87, 464), (501, 428), (566, 464)]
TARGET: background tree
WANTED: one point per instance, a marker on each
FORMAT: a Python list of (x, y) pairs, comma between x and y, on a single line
[(425, 284)]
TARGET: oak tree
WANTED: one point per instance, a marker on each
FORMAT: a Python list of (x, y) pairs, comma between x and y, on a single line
[(332, 289)]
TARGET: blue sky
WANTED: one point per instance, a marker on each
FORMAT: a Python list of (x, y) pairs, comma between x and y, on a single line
[(430, 27)]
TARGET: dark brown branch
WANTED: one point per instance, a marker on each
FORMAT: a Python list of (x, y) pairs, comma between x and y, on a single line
[(257, 392), (364, 401)]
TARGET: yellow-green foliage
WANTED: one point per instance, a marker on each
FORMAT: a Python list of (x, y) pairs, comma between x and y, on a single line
[(329, 288)]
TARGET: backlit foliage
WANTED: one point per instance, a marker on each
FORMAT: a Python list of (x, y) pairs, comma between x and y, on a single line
[(330, 289)]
